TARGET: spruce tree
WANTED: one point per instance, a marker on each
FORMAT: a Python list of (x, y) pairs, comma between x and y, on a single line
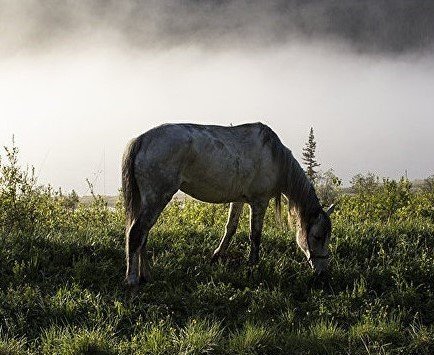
[(309, 158)]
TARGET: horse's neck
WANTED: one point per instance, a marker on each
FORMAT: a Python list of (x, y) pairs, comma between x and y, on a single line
[(300, 192)]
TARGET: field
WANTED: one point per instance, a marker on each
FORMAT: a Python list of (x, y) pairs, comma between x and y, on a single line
[(62, 266)]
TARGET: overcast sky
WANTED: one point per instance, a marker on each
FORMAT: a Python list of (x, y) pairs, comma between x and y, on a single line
[(78, 79)]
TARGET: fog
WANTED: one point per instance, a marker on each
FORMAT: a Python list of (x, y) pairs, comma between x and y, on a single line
[(79, 79), (372, 26)]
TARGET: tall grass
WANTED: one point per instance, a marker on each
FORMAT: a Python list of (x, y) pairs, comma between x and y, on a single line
[(62, 269)]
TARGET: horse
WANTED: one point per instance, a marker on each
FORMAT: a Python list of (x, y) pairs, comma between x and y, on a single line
[(236, 164)]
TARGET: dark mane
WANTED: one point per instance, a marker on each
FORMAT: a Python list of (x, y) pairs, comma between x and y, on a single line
[(278, 151), (301, 192), (293, 181)]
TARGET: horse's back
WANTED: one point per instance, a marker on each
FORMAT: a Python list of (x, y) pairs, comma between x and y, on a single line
[(211, 163), (169, 139)]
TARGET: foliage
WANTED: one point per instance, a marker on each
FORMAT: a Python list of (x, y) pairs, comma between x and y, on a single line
[(389, 201), (328, 187), (428, 184), (365, 184), (62, 269), (309, 158)]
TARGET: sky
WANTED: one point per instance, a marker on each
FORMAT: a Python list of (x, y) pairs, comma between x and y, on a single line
[(78, 79)]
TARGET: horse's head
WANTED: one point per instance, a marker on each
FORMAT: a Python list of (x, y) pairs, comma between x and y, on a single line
[(313, 238)]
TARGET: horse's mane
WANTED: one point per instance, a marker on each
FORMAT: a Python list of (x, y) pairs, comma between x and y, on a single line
[(293, 181)]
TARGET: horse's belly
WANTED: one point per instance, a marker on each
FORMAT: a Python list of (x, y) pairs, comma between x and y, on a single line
[(212, 191)]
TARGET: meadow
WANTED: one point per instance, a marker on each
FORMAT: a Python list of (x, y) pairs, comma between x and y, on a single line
[(62, 267)]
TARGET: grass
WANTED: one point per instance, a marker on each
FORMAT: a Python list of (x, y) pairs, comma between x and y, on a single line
[(62, 292)]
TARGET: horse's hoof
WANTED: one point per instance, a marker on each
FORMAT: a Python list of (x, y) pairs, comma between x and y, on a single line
[(252, 270), (132, 281), (144, 279), (214, 258)]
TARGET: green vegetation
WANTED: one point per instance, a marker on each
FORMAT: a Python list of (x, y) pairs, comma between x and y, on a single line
[(309, 157), (62, 267)]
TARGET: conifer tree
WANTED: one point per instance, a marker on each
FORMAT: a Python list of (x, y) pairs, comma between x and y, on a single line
[(309, 158)]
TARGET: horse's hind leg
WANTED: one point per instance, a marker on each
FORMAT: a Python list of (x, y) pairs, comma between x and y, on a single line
[(134, 240), (231, 226), (257, 213), (137, 268)]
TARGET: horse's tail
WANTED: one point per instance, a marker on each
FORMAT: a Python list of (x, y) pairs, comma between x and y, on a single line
[(130, 189)]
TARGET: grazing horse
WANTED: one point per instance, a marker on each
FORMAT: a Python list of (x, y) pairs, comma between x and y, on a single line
[(237, 164)]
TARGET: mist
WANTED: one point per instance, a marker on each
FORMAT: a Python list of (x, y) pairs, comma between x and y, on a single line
[(79, 79), (373, 26)]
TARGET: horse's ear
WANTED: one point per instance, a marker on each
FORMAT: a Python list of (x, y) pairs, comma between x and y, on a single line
[(331, 209)]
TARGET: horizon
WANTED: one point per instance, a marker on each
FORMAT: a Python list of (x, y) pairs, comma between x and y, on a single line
[(79, 81)]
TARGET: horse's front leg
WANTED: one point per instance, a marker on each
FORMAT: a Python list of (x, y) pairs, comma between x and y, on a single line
[(231, 226), (257, 213)]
